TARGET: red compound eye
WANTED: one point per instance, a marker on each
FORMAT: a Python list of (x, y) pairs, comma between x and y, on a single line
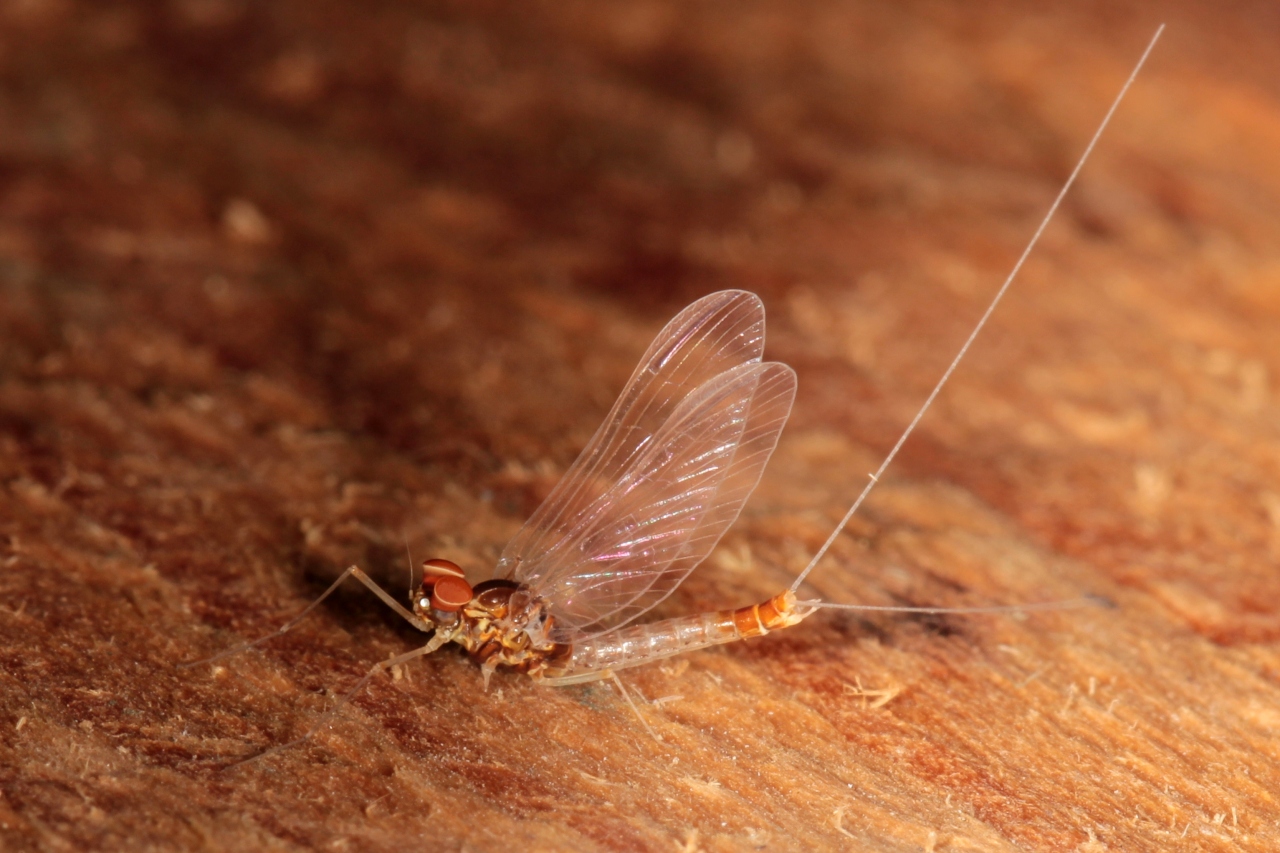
[(440, 568), (450, 593)]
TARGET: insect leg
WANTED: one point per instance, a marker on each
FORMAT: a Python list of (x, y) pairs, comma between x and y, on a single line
[(354, 572), (625, 695)]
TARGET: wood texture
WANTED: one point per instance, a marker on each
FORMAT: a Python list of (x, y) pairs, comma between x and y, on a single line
[(284, 284)]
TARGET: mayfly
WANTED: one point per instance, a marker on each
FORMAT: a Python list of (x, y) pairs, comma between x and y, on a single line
[(649, 497)]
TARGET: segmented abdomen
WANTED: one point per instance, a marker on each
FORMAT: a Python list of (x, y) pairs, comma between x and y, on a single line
[(638, 644)]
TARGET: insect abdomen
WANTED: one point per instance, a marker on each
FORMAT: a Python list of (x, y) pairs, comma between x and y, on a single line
[(639, 644)]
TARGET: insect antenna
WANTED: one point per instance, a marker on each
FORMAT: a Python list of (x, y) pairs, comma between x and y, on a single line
[(946, 375), (409, 553)]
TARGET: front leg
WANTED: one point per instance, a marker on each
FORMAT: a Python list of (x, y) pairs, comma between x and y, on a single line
[(353, 572)]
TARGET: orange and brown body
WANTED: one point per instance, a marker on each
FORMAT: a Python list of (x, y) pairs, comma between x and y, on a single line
[(500, 623)]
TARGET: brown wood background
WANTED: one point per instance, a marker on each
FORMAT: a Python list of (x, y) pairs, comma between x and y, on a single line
[(281, 283)]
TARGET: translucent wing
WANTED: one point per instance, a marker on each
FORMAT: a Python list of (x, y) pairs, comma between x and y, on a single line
[(665, 475), (717, 333), (639, 539)]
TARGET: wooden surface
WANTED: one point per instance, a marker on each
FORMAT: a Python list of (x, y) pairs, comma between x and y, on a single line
[(281, 284)]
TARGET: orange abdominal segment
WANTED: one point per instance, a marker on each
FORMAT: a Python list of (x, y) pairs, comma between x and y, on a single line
[(759, 619)]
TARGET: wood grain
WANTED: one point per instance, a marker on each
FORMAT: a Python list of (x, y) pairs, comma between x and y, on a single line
[(282, 285)]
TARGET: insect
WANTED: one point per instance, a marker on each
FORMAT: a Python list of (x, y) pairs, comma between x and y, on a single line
[(649, 497)]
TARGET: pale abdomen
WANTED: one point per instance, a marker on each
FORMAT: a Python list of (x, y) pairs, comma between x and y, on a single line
[(639, 644)]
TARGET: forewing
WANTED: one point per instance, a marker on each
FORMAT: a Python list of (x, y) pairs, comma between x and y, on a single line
[(639, 538), (713, 335)]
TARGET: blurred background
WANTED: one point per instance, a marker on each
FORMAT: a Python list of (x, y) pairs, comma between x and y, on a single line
[(286, 284)]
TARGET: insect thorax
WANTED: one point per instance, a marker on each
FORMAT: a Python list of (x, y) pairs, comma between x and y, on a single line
[(503, 625)]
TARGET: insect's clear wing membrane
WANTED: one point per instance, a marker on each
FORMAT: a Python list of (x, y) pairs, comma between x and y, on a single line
[(641, 535), (717, 333)]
